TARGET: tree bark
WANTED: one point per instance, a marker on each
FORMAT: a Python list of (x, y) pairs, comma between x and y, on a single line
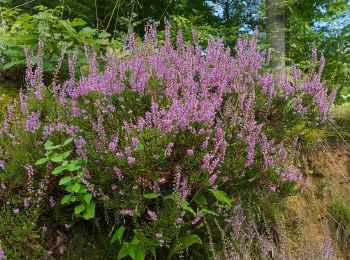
[(275, 25)]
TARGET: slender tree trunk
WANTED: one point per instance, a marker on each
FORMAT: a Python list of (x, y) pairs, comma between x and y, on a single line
[(275, 24)]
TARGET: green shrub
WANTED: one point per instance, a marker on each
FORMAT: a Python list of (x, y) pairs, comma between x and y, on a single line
[(19, 30), (340, 218), (163, 137)]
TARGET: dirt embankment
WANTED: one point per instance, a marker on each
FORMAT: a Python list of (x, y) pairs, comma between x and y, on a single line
[(307, 230)]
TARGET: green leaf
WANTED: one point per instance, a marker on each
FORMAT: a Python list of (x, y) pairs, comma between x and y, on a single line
[(135, 240), (66, 199), (76, 187), (88, 31), (48, 143), (49, 154), (58, 158), (208, 212), (118, 235), (53, 147), (68, 141), (42, 161), (66, 154), (82, 190), (200, 200), (132, 251), (151, 195), (65, 180), (124, 251), (87, 198), (64, 163), (77, 22), (104, 34), (80, 208), (12, 64), (221, 196), (140, 253), (59, 169), (186, 206), (90, 210), (69, 188), (74, 165), (186, 242)]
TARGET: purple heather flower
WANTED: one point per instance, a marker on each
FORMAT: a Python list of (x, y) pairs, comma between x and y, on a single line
[(213, 178), (190, 152), (2, 254), (135, 142), (113, 144), (30, 176), (152, 215), (205, 144), (169, 149), (131, 160), (196, 219), (33, 123), (126, 212), (177, 179), (119, 155), (179, 220), (118, 173), (128, 150), (2, 165), (26, 202)]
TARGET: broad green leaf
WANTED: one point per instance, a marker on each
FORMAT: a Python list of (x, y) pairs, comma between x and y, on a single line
[(71, 166), (49, 154), (64, 163), (77, 22), (53, 147), (66, 199), (118, 235), (221, 196), (68, 141), (132, 250), (80, 208), (140, 253), (12, 64), (65, 180), (151, 195), (48, 144), (104, 34), (186, 242), (124, 251), (76, 187), (87, 198), (208, 212), (90, 210), (135, 241), (57, 158), (69, 188), (59, 169), (42, 161), (83, 190), (66, 154), (80, 196), (88, 30), (186, 206), (200, 200)]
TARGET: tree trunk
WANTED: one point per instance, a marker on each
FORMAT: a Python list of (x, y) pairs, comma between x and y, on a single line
[(275, 25)]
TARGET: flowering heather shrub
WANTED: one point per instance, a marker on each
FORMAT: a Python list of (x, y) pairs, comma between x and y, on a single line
[(170, 135)]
